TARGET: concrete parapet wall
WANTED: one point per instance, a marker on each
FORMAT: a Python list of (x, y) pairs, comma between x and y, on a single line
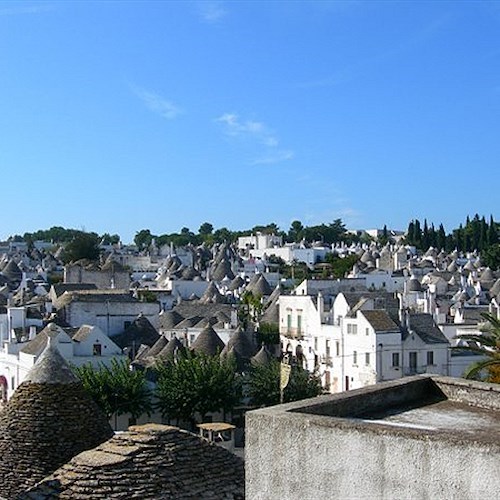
[(296, 455)]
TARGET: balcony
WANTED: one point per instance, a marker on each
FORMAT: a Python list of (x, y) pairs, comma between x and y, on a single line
[(326, 360), (292, 333)]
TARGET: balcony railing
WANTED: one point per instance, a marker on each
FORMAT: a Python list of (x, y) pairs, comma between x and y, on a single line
[(326, 360), (292, 333)]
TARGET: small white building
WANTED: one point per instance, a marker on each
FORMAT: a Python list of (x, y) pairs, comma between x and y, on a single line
[(88, 344)]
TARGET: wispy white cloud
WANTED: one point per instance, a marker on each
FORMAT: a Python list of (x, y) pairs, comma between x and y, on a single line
[(211, 12), (158, 104), (259, 133), (24, 9), (234, 126), (274, 157)]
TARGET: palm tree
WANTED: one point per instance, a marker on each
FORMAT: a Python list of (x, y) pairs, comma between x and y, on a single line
[(486, 344)]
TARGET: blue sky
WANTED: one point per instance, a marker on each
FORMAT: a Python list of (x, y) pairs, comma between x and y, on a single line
[(122, 116)]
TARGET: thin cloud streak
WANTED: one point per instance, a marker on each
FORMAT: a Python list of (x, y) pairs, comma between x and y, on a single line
[(277, 157), (21, 10), (211, 12), (255, 131), (158, 104)]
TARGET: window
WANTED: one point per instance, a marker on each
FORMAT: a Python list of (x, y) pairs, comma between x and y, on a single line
[(354, 357), (367, 358), (337, 348), (288, 322), (315, 344), (327, 348), (352, 328), (395, 359), (299, 323), (96, 349), (367, 331), (430, 357)]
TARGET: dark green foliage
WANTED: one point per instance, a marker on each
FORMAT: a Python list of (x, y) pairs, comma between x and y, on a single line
[(491, 257), (56, 234), (296, 231), (268, 334), (197, 384), (147, 296), (488, 345), (110, 239), (341, 266), (477, 234), (143, 238), (249, 309), (206, 228), (82, 246), (264, 382), (116, 389)]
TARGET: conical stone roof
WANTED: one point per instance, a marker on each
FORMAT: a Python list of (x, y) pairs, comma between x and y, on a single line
[(49, 419), (12, 271), (263, 357), (260, 287), (237, 282), (242, 344), (208, 342), (148, 462), (140, 331), (169, 319), (157, 347), (173, 349), (495, 289)]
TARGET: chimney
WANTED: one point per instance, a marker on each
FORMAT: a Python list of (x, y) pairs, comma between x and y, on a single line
[(52, 333), (32, 332), (320, 306)]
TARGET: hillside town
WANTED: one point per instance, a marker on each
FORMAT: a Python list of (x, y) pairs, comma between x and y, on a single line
[(396, 313)]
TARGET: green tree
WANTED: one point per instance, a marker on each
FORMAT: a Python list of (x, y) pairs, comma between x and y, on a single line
[(223, 235), (384, 237), (486, 344), (116, 388), (268, 334), (250, 308), (143, 238), (264, 385), (295, 232), (341, 265), (206, 228), (82, 246), (492, 235), (110, 239), (491, 257), (197, 384)]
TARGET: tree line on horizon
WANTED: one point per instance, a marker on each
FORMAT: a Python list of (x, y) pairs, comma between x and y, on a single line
[(476, 234)]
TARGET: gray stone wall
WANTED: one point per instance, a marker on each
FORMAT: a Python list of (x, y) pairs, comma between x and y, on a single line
[(42, 427), (295, 455)]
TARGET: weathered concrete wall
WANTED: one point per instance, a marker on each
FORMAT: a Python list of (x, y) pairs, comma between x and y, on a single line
[(309, 456)]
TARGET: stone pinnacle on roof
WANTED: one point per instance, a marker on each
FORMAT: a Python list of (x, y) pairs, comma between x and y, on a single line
[(49, 419), (51, 367)]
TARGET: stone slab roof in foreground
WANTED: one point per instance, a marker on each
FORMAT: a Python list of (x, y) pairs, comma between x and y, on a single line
[(148, 462)]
